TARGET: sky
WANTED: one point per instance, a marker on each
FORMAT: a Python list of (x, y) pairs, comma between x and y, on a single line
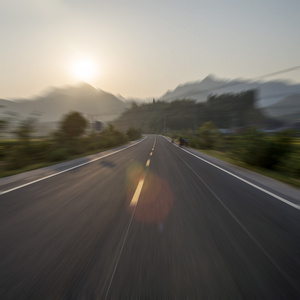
[(139, 48)]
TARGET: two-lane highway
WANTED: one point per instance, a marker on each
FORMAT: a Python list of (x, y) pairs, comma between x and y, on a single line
[(148, 222)]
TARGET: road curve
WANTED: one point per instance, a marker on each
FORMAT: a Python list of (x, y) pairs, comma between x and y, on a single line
[(148, 222)]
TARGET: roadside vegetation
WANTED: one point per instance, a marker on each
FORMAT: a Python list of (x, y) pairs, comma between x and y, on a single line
[(73, 139), (227, 126), (275, 155)]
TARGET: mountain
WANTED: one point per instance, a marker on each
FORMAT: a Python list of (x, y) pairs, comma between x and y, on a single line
[(269, 92), (286, 109), (198, 90), (130, 100), (84, 98)]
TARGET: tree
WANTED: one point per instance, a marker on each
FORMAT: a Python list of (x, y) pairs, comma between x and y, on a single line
[(25, 129), (3, 125), (73, 125)]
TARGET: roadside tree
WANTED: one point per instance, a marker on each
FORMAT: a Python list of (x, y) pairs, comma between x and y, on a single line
[(73, 125)]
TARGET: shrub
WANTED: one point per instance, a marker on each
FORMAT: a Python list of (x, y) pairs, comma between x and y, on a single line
[(58, 155), (17, 159), (111, 137), (290, 164), (37, 151), (194, 142), (133, 133), (259, 149), (208, 135)]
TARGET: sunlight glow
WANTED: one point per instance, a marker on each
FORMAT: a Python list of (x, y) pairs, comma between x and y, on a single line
[(84, 69)]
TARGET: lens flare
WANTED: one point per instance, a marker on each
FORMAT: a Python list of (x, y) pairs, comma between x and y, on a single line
[(156, 198)]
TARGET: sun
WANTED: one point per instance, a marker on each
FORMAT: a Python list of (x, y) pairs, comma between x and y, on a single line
[(84, 69)]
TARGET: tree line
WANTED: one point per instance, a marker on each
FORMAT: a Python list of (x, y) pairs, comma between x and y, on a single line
[(73, 138), (225, 111)]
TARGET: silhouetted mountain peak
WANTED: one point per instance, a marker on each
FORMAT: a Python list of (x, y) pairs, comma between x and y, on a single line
[(210, 78), (81, 97), (269, 92)]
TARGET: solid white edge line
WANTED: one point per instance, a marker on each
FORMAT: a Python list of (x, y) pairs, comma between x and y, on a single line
[(69, 169), (244, 180)]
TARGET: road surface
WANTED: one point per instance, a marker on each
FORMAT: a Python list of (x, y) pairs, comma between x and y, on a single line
[(150, 221)]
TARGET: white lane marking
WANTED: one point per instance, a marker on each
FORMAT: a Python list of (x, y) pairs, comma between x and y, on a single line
[(148, 163), (69, 169), (279, 269), (137, 193), (246, 181)]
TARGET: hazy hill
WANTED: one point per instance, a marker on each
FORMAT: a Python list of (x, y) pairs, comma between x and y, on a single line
[(269, 92), (286, 109), (59, 101)]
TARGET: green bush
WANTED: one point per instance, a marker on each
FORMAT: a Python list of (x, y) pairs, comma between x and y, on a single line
[(208, 134), (194, 142), (77, 148), (111, 137), (58, 155), (133, 133), (258, 149), (290, 165), (18, 159), (37, 151)]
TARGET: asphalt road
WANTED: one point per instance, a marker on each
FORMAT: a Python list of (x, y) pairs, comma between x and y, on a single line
[(148, 222)]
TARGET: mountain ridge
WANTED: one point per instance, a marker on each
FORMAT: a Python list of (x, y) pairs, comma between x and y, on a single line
[(289, 106), (56, 102), (200, 90)]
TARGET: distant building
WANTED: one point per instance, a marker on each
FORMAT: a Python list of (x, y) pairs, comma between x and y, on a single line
[(98, 126)]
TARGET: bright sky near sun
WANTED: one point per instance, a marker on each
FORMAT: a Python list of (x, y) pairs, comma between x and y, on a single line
[(142, 48)]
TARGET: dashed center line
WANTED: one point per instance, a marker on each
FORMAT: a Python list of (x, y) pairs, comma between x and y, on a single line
[(139, 188), (137, 193), (133, 203)]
